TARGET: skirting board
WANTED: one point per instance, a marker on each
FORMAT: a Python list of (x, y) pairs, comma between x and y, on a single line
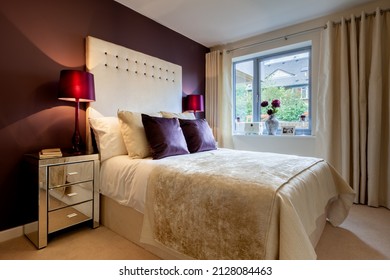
[(12, 233)]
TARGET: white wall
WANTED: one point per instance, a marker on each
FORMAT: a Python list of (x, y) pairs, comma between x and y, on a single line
[(300, 145), (296, 145)]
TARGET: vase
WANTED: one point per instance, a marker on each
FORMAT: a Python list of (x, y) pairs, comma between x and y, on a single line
[(272, 125)]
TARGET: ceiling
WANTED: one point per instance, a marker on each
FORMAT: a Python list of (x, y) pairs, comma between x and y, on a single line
[(216, 22)]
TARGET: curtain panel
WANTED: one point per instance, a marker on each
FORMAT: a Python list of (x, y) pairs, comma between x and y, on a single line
[(353, 106), (219, 101)]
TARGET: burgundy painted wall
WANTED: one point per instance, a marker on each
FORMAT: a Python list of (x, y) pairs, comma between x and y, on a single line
[(42, 37)]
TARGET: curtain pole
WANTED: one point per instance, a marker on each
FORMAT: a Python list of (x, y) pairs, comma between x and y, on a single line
[(367, 15), (285, 37), (298, 33)]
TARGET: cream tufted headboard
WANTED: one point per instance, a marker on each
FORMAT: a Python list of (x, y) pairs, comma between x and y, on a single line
[(129, 80)]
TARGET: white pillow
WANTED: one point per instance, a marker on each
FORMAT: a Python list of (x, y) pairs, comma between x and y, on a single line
[(133, 133), (184, 115), (108, 137)]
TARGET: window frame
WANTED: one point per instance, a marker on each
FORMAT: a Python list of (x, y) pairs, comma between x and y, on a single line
[(256, 85)]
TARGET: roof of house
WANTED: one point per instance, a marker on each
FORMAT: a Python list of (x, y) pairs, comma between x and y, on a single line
[(290, 73)]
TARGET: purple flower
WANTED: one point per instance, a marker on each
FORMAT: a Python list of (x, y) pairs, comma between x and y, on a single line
[(275, 103), (272, 108)]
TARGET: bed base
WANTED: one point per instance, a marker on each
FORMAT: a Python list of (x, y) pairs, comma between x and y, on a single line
[(127, 222)]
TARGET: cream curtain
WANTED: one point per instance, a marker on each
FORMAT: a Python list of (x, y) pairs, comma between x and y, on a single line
[(219, 100), (353, 104)]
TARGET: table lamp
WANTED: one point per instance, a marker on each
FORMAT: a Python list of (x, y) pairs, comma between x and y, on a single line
[(77, 86), (195, 103)]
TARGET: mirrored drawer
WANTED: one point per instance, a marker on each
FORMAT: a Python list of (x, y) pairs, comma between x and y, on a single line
[(70, 194), (69, 216), (70, 173)]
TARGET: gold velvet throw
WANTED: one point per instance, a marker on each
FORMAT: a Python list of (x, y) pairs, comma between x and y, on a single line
[(219, 206)]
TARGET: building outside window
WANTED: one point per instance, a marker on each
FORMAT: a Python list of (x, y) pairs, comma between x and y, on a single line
[(284, 76)]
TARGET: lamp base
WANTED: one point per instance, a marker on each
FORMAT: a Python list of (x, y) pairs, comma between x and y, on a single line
[(76, 139), (77, 145)]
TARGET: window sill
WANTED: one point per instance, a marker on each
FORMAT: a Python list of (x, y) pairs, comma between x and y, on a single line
[(278, 135)]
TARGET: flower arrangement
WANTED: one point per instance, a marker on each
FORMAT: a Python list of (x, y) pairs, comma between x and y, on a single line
[(272, 108)]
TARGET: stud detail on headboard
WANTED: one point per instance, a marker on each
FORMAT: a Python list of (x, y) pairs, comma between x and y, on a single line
[(133, 63)]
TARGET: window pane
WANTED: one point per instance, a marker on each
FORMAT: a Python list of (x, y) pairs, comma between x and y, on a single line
[(243, 88), (286, 77)]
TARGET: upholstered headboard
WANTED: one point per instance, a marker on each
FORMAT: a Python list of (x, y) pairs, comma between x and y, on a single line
[(129, 80)]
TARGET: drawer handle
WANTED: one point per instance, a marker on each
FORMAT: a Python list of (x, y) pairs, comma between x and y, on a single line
[(73, 173), (72, 194), (71, 215)]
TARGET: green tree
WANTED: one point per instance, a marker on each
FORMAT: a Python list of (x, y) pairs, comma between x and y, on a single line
[(292, 105), (244, 102)]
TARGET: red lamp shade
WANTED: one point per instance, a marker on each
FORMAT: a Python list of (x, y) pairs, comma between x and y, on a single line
[(77, 86), (195, 103)]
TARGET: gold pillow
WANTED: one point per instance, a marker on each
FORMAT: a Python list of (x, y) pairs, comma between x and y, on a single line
[(183, 116), (133, 133)]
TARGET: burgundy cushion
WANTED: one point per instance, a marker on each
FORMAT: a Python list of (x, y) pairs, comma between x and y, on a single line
[(198, 135), (165, 136)]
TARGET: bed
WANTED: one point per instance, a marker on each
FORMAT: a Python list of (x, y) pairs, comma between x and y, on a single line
[(167, 187)]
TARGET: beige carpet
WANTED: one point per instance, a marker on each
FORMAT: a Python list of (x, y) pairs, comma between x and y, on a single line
[(364, 235), (80, 244)]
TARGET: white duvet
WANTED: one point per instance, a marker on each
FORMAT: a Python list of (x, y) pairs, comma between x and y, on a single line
[(307, 198), (124, 180)]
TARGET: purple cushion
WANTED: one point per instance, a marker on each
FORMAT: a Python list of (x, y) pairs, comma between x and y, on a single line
[(198, 135), (165, 136)]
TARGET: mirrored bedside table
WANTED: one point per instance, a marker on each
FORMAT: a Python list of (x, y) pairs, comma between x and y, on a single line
[(66, 190)]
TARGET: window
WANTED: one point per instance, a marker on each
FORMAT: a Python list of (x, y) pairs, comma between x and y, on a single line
[(284, 76)]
